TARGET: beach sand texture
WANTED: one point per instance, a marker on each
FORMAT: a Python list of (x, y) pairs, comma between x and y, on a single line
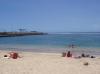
[(47, 63)]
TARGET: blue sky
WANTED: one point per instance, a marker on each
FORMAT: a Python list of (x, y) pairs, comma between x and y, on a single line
[(50, 15)]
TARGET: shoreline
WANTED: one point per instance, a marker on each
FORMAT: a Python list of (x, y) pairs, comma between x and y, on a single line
[(76, 50)]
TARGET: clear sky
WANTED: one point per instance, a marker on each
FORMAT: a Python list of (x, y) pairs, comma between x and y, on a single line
[(50, 15)]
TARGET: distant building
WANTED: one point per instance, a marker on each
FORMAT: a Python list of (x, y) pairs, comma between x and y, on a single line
[(22, 30)]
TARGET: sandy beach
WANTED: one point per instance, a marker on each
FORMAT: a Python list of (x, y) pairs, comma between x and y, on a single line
[(47, 63)]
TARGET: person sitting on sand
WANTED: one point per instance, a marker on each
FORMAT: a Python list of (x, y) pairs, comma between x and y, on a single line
[(69, 54), (83, 55), (64, 54)]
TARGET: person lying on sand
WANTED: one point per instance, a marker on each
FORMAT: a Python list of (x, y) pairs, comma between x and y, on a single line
[(13, 55)]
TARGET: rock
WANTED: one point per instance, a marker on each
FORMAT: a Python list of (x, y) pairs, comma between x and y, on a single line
[(86, 63)]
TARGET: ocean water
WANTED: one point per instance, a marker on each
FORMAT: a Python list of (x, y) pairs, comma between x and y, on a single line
[(52, 42)]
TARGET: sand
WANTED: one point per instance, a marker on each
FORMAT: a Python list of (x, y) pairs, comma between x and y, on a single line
[(47, 63)]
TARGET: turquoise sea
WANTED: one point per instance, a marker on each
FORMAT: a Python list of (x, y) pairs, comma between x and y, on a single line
[(52, 42)]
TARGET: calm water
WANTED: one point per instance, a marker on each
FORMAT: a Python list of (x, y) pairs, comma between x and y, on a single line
[(56, 41)]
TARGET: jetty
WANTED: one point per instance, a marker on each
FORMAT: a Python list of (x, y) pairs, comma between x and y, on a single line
[(13, 34)]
